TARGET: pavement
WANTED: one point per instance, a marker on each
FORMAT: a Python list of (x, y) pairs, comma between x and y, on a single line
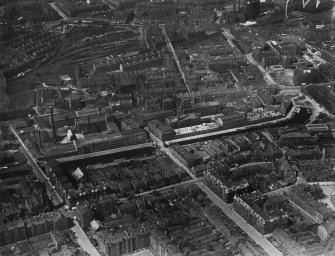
[(267, 77), (142, 253), (248, 229), (238, 220), (317, 109), (171, 186), (104, 152), (315, 56), (36, 169), (328, 190), (164, 188), (278, 191), (53, 6), (83, 240), (250, 164), (305, 214), (175, 57), (328, 187)]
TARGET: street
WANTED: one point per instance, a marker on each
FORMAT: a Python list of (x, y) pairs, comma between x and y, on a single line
[(165, 188), (104, 152), (249, 57), (238, 220), (53, 6), (175, 57), (305, 214), (253, 233), (142, 253), (317, 109), (314, 55), (36, 169), (267, 77), (170, 186), (83, 240)]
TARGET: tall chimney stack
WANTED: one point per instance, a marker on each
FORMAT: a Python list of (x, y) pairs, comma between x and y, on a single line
[(53, 125)]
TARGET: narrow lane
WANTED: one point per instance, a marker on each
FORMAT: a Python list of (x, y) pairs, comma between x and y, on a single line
[(175, 57)]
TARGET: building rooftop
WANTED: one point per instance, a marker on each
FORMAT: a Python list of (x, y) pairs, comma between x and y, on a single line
[(197, 128), (257, 202), (232, 117), (172, 119), (91, 119), (87, 112), (151, 114), (206, 104), (99, 137), (256, 116), (61, 149), (161, 126)]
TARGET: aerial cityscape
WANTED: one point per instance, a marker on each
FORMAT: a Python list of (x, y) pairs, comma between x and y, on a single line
[(167, 127)]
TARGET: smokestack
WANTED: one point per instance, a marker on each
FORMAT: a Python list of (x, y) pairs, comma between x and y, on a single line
[(53, 125), (239, 5)]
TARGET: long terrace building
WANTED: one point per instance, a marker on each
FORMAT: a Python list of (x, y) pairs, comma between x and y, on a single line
[(263, 213), (100, 142), (127, 238), (216, 179), (183, 120), (204, 108), (161, 130), (145, 116)]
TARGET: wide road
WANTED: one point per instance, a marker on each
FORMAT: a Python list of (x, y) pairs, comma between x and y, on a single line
[(248, 229), (53, 6), (36, 169), (267, 77), (83, 240)]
